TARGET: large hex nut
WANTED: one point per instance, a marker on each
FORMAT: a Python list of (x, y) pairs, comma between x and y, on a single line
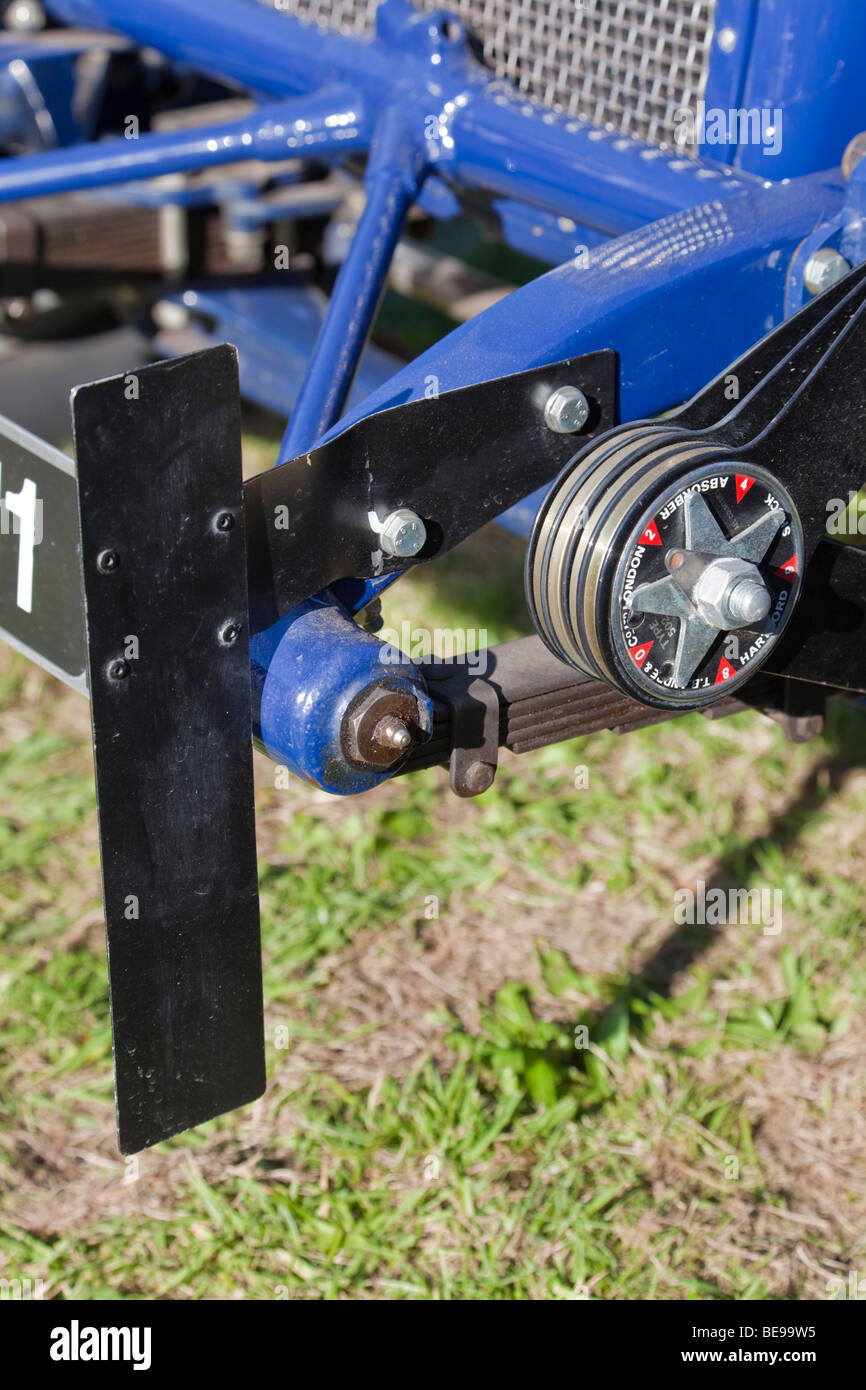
[(368, 714), (714, 590)]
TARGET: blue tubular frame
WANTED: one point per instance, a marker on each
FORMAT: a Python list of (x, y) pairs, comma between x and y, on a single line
[(395, 172), (475, 129), (707, 255), (333, 123)]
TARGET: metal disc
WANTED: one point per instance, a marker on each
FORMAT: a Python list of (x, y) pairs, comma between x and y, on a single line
[(746, 517), (642, 494)]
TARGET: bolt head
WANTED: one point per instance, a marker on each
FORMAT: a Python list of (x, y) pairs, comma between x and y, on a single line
[(824, 268), (392, 732), (118, 670), (479, 778), (566, 410), (230, 633), (224, 521), (107, 561), (403, 533), (25, 16), (727, 40), (854, 152)]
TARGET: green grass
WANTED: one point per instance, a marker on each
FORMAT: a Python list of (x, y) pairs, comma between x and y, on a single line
[(587, 1101)]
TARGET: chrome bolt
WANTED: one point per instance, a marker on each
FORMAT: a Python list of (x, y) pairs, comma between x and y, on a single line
[(823, 269), (748, 602), (853, 154), (119, 670), (718, 582), (403, 533), (224, 522), (107, 561), (230, 634), (727, 40), (566, 410), (170, 317), (392, 733), (25, 16)]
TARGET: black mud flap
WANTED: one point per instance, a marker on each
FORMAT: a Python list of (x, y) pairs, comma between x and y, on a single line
[(165, 590)]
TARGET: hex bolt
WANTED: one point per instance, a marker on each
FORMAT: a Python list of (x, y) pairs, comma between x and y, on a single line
[(748, 602), (230, 633), (853, 154), (118, 670), (716, 585), (25, 16), (392, 733), (403, 533), (224, 522), (107, 561), (824, 268), (566, 410)]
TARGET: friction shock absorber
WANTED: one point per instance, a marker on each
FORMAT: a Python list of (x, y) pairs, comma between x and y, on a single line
[(675, 558)]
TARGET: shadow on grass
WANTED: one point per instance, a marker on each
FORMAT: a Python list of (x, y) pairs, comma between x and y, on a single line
[(846, 734)]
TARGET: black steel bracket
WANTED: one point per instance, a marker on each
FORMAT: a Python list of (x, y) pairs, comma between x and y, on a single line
[(800, 415), (458, 460)]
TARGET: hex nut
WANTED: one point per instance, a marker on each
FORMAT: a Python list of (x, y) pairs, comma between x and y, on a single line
[(366, 713), (824, 268), (715, 586)]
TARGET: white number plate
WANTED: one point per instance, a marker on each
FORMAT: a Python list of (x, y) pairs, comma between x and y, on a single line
[(41, 608)]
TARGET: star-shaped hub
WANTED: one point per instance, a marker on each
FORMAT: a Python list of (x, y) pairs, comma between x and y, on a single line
[(713, 584)]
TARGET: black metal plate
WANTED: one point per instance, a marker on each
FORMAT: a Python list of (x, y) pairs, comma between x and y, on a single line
[(41, 610), (459, 460), (172, 740)]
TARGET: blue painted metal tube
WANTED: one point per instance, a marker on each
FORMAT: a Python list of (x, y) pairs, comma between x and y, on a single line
[(395, 171), (814, 75), (507, 144), (474, 127), (269, 53), (679, 300), (328, 123)]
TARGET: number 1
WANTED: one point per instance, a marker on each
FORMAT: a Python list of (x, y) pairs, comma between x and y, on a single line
[(23, 506)]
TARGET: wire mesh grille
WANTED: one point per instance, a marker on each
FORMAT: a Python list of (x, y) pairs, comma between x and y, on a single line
[(625, 63)]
